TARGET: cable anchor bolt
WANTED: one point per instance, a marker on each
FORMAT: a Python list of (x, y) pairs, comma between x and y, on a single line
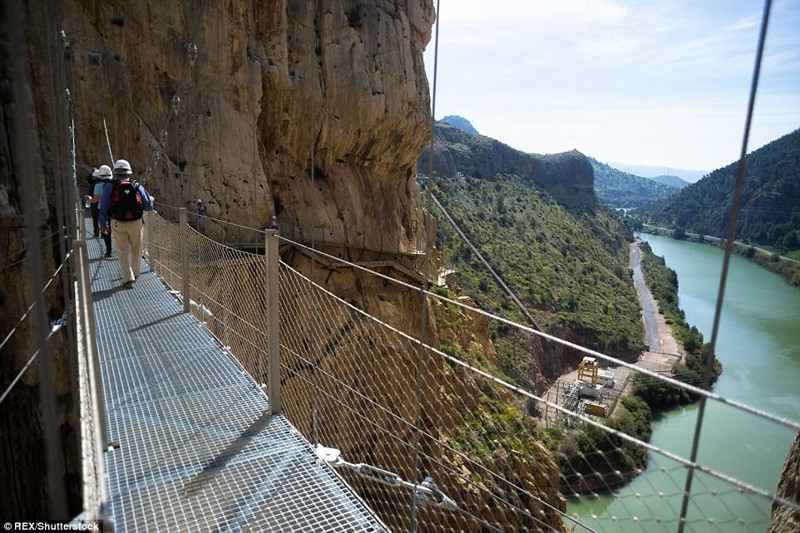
[(191, 51), (427, 492)]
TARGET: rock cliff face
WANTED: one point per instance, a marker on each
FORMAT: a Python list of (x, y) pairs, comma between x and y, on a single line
[(32, 133), (567, 177), (784, 518), (272, 83)]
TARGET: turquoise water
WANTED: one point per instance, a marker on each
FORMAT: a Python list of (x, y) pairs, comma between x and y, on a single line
[(759, 347)]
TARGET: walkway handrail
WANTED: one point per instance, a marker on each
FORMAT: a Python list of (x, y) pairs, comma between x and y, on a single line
[(94, 438)]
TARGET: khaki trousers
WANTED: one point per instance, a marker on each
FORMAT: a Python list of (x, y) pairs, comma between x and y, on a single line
[(128, 236)]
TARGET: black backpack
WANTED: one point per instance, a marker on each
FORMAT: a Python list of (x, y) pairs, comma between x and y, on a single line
[(126, 202)]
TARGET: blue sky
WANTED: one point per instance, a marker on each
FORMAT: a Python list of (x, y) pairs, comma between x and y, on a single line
[(642, 82)]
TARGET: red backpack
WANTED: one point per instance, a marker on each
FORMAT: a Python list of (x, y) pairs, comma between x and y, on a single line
[(126, 201)]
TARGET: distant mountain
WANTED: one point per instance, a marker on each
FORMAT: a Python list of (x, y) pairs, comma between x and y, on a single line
[(616, 188), (672, 181), (567, 177), (654, 171), (770, 202), (460, 123)]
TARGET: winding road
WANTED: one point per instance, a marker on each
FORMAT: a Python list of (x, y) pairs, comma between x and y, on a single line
[(649, 307)]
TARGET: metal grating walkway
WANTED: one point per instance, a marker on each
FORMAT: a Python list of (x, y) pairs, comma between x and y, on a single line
[(197, 451)]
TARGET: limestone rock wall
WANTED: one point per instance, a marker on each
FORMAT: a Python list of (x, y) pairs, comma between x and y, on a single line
[(34, 154), (784, 518), (272, 82)]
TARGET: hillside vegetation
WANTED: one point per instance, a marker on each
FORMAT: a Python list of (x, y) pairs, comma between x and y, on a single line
[(570, 268), (770, 203), (616, 188)]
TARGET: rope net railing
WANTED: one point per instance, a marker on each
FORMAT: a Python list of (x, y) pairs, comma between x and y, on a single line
[(18, 334), (79, 316), (437, 436)]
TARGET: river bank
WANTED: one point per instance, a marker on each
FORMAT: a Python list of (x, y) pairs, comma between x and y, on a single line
[(663, 353), (786, 267)]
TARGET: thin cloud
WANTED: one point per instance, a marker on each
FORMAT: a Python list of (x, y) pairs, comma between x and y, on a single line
[(744, 24), (609, 76)]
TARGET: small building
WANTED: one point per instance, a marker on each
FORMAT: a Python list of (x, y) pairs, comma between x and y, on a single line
[(606, 378)]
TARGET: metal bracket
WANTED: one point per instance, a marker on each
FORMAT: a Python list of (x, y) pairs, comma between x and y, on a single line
[(427, 492)]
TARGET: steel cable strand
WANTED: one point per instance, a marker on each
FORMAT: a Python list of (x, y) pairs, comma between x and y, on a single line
[(18, 258), (731, 237), (671, 381), (426, 266), (25, 368), (21, 320)]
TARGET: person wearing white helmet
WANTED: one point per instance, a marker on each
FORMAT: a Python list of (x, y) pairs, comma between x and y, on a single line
[(123, 202), (92, 202), (103, 176)]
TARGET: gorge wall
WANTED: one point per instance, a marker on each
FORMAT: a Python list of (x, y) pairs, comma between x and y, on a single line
[(34, 157), (272, 83)]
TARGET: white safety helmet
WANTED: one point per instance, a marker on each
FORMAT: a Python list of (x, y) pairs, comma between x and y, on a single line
[(96, 173), (122, 168), (104, 172)]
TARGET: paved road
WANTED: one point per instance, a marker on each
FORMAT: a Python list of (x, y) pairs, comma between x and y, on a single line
[(649, 307)]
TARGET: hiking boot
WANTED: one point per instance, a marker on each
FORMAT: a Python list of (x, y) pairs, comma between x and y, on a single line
[(108, 253), (127, 285)]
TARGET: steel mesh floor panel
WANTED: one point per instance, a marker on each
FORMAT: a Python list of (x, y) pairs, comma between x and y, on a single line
[(197, 449)]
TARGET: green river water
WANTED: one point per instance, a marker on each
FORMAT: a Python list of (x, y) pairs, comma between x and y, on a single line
[(759, 347)]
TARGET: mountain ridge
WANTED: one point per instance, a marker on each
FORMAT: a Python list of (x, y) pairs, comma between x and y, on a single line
[(568, 177), (652, 171), (620, 189), (770, 199)]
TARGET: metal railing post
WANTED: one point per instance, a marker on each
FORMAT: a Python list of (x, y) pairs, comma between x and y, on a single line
[(273, 322), (81, 219), (184, 236)]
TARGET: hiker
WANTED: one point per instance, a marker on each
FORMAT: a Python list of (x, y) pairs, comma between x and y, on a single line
[(201, 215), (93, 199), (123, 202), (102, 176)]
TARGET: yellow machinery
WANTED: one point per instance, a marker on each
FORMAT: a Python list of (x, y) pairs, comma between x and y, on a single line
[(594, 408), (588, 372), (588, 369)]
